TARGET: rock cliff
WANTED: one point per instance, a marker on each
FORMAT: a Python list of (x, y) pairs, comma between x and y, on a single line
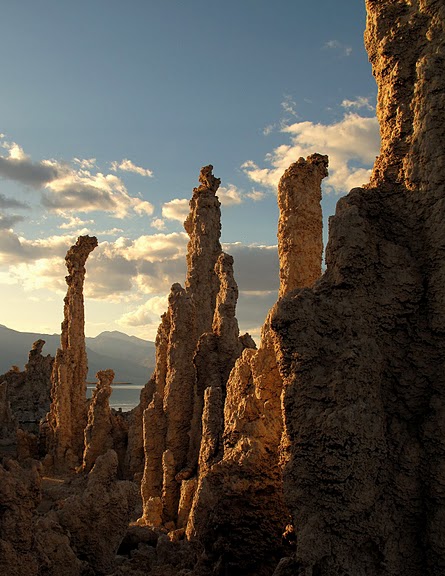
[(68, 413), (361, 353)]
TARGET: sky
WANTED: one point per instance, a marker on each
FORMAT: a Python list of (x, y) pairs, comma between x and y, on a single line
[(108, 110)]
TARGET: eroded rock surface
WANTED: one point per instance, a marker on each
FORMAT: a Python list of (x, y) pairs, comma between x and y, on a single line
[(98, 432), (98, 519), (196, 347), (29, 390), (362, 352), (68, 414), (239, 500)]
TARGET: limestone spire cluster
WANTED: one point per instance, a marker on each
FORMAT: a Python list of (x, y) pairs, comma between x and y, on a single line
[(199, 326), (68, 413)]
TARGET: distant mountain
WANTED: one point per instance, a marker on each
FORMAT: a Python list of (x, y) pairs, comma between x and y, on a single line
[(131, 358)]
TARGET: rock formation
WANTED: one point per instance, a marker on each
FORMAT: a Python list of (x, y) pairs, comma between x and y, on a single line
[(196, 347), (239, 500), (97, 520), (300, 226), (68, 414), (361, 353), (98, 432), (31, 544), (29, 390), (8, 423)]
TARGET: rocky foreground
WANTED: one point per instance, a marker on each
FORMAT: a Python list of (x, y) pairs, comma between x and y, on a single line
[(322, 452)]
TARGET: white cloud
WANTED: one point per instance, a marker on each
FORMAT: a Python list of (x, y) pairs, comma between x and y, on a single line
[(66, 189), (229, 196), (359, 102), (86, 163), (147, 314), (289, 105), (351, 144), (158, 223), (176, 209), (126, 165), (256, 195), (82, 191), (338, 46), (73, 222)]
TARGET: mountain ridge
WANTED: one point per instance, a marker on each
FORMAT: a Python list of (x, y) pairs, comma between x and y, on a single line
[(131, 358)]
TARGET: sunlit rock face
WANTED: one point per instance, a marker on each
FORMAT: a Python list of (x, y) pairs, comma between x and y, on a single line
[(239, 505), (361, 353), (196, 347), (68, 413)]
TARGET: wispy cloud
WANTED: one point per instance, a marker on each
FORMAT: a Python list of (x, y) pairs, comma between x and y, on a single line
[(73, 222), (289, 105), (86, 163), (358, 103), (351, 144), (338, 46), (126, 165)]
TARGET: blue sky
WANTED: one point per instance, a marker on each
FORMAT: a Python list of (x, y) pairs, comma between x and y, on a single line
[(110, 108)]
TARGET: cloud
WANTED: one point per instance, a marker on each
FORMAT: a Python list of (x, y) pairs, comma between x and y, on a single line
[(256, 267), (126, 165), (359, 102), (73, 222), (148, 313), (82, 191), (86, 163), (176, 209), (158, 223), (289, 105), (16, 165), (6, 202), (9, 221), (66, 189), (338, 46), (351, 144), (256, 195), (229, 196)]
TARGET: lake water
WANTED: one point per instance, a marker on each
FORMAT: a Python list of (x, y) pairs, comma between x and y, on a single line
[(125, 396)]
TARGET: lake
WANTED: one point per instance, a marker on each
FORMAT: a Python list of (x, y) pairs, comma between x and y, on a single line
[(125, 396)]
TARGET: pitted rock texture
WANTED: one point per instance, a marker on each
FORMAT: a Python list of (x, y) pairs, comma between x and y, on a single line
[(8, 423), (300, 227), (196, 347), (97, 520), (29, 390), (361, 353), (203, 225), (31, 544), (239, 499), (68, 414), (98, 432), (405, 45)]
